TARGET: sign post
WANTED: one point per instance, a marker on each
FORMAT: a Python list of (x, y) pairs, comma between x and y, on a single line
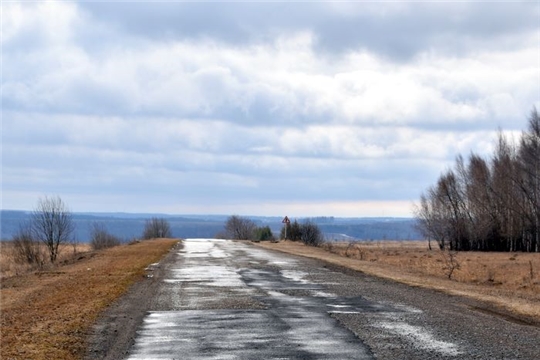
[(286, 221)]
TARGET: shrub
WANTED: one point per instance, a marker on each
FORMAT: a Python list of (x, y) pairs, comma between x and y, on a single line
[(101, 238), (311, 234), (157, 228), (294, 231), (239, 228), (26, 249), (263, 234)]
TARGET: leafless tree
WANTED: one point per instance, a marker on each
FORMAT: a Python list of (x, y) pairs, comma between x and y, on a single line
[(157, 228), (240, 228), (52, 224), (529, 164), (488, 205)]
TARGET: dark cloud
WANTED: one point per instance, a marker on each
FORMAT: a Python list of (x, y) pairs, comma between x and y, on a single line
[(397, 31)]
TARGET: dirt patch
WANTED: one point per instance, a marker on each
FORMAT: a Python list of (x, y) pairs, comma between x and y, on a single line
[(48, 314), (503, 280)]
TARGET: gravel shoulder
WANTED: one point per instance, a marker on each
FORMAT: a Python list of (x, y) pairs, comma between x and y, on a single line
[(115, 330)]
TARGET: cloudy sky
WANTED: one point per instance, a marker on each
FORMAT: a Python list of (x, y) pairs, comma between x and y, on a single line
[(266, 108)]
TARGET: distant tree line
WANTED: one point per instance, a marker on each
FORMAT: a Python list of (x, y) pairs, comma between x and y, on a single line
[(488, 205), (242, 228)]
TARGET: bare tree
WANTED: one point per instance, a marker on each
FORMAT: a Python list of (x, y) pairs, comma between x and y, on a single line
[(488, 205), (240, 228), (157, 228), (529, 164), (52, 224)]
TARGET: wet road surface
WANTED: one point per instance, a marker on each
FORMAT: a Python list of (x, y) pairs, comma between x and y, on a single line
[(231, 300)]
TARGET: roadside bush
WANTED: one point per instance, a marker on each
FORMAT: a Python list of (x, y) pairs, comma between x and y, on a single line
[(157, 228), (311, 234), (26, 249), (240, 228), (263, 234), (100, 238)]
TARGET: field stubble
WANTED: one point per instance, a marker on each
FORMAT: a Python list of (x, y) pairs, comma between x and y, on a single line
[(507, 280)]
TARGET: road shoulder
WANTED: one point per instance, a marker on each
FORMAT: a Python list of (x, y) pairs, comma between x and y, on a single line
[(114, 332)]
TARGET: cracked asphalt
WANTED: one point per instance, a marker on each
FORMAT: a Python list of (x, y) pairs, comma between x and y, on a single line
[(216, 299)]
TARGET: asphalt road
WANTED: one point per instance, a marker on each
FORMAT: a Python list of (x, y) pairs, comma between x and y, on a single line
[(231, 300)]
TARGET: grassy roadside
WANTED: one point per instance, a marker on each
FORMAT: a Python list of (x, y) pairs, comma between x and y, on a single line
[(47, 315), (414, 265)]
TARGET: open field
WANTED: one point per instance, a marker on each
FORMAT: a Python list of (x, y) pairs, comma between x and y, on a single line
[(510, 281), (47, 314)]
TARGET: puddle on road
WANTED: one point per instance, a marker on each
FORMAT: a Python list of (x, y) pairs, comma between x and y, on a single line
[(295, 275), (202, 248), (211, 275)]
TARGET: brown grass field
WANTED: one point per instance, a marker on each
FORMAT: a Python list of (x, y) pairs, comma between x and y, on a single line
[(47, 314), (510, 281)]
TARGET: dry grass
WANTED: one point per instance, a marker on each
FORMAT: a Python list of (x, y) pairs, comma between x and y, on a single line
[(47, 314), (508, 280), (9, 267)]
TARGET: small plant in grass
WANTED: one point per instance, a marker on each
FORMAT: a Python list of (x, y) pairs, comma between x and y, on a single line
[(450, 262)]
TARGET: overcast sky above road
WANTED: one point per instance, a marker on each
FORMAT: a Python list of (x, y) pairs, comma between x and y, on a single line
[(272, 108)]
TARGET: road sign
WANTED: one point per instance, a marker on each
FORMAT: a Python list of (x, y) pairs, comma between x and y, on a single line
[(286, 220)]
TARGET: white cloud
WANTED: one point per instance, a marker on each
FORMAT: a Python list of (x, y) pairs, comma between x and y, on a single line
[(237, 123)]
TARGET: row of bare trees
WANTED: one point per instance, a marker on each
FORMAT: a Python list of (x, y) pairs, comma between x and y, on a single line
[(488, 205)]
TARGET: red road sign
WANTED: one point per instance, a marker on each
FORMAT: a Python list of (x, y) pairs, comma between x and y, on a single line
[(286, 220)]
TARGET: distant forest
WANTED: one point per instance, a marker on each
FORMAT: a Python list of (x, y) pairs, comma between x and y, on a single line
[(488, 204)]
